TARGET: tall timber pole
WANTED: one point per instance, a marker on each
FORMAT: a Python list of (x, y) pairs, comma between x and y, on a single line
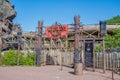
[(103, 31), (39, 45), (78, 66)]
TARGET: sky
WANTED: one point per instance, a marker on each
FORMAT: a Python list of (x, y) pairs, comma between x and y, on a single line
[(29, 12)]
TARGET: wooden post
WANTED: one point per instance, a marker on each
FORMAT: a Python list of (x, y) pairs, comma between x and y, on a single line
[(84, 57), (113, 66), (0, 45), (44, 53), (39, 45), (51, 53), (78, 66), (62, 63), (94, 55), (19, 38), (104, 60), (44, 58), (103, 32), (66, 43), (18, 58)]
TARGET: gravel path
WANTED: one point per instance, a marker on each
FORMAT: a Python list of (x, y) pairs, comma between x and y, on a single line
[(50, 73)]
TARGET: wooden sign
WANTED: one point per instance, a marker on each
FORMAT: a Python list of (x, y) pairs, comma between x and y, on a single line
[(57, 31)]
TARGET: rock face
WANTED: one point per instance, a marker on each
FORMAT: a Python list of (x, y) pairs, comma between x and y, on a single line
[(7, 14), (7, 27), (7, 10)]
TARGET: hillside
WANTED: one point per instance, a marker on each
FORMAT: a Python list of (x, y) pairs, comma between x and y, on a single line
[(114, 20)]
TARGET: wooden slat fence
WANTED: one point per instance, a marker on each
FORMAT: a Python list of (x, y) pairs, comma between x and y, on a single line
[(112, 60)]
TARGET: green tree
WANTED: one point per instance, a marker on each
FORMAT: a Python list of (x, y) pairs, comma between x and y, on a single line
[(113, 40), (114, 20)]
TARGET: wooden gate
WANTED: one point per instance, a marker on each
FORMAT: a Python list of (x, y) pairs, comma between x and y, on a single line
[(88, 53)]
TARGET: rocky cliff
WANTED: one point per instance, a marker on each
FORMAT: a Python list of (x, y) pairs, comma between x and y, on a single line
[(7, 10), (7, 14)]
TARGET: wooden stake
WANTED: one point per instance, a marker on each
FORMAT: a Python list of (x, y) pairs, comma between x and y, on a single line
[(113, 66), (18, 58), (94, 55), (104, 60)]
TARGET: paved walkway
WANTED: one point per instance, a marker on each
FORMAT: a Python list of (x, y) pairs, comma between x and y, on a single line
[(50, 73)]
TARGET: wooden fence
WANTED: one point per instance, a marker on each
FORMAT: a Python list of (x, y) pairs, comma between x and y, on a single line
[(56, 57), (112, 60)]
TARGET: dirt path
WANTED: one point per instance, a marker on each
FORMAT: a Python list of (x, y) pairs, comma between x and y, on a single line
[(50, 73)]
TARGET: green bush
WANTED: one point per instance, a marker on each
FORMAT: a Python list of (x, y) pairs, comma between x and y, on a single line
[(97, 48), (27, 60), (10, 58)]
